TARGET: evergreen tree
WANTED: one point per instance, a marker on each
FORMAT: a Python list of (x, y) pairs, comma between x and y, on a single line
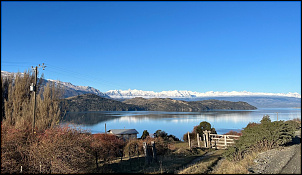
[(145, 134)]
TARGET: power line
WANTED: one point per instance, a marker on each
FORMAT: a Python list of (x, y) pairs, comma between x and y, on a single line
[(84, 76), (56, 69)]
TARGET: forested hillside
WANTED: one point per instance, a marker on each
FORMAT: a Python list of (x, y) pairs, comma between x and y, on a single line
[(167, 104), (91, 102)]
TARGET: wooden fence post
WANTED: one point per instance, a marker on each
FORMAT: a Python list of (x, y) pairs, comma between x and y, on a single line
[(207, 138), (96, 160), (204, 140), (189, 141), (198, 143), (154, 151), (145, 147)]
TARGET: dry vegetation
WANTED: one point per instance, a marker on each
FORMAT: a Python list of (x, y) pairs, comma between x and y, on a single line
[(18, 102), (61, 149), (53, 148), (235, 167)]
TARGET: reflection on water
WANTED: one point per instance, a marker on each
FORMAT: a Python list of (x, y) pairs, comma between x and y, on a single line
[(175, 123)]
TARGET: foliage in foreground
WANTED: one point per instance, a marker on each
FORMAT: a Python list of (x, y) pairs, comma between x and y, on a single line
[(57, 150), (257, 137), (65, 150)]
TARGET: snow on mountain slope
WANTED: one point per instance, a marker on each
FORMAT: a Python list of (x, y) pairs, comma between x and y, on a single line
[(78, 90), (73, 90), (69, 89), (189, 94)]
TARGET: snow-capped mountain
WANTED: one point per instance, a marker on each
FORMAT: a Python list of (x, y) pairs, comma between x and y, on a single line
[(258, 99), (190, 94), (7, 74), (73, 90), (69, 89)]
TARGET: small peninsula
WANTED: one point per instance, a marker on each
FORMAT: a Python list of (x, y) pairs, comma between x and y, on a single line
[(92, 102)]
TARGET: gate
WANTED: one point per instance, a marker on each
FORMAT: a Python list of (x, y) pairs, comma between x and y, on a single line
[(222, 141)]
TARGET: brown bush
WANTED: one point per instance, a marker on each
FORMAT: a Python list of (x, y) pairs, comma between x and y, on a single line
[(233, 133), (14, 148), (64, 150), (134, 147), (57, 150), (160, 144), (192, 136), (107, 146)]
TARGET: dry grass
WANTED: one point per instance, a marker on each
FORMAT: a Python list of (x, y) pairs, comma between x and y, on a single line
[(204, 165), (178, 156), (235, 167)]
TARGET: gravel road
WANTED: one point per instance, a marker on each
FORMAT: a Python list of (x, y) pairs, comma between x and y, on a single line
[(280, 161)]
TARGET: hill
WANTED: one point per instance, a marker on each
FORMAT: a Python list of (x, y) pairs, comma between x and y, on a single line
[(167, 104), (92, 102), (259, 102)]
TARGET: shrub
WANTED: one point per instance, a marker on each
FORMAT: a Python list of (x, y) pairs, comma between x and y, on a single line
[(192, 136), (165, 136), (202, 127), (14, 148), (134, 147), (295, 124), (252, 124), (145, 134), (298, 120), (172, 138), (57, 150), (233, 133), (107, 146), (160, 133), (261, 137), (64, 150), (161, 146)]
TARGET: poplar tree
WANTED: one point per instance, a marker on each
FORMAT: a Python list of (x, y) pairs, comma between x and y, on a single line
[(17, 106)]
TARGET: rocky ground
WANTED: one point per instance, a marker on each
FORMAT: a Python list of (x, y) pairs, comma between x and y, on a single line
[(286, 160)]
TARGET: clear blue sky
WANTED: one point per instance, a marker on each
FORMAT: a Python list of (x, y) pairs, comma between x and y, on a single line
[(198, 46)]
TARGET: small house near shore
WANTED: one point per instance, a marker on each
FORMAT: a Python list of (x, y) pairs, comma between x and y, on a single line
[(126, 134)]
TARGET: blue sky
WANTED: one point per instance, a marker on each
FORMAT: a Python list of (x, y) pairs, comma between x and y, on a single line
[(198, 46)]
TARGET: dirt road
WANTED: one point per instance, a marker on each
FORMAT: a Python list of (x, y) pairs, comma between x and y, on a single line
[(280, 161), (294, 164)]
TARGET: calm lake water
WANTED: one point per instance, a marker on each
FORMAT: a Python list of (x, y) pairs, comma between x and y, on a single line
[(175, 123)]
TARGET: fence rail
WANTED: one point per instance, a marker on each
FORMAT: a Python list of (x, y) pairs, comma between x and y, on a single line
[(222, 141)]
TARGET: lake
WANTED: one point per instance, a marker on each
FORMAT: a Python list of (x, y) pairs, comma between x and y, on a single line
[(175, 123)]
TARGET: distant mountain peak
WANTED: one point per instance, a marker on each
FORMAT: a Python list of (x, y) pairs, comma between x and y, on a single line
[(73, 90), (190, 94)]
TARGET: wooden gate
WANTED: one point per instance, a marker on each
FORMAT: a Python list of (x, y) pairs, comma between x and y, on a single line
[(222, 141)]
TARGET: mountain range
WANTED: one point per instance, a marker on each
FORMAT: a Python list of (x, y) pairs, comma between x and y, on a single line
[(258, 99), (189, 94)]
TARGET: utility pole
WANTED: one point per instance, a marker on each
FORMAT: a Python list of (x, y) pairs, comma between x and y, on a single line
[(105, 129), (277, 115), (33, 88)]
